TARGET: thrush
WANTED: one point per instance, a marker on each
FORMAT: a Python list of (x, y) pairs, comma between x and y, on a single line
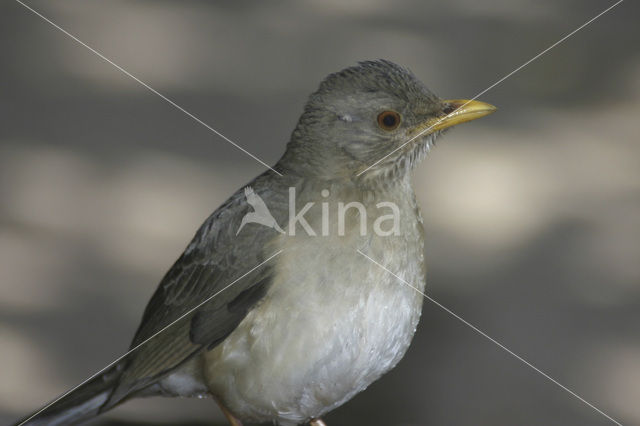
[(272, 310)]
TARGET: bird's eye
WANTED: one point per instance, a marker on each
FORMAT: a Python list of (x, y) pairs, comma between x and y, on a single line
[(388, 120)]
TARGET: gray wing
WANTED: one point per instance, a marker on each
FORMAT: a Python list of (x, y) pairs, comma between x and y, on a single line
[(214, 259)]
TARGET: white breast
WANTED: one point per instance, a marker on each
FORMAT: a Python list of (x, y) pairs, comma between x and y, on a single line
[(331, 324)]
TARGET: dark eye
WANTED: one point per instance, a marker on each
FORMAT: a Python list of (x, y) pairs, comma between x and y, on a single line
[(388, 120)]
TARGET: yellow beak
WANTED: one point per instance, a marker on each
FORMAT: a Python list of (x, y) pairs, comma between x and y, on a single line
[(456, 111)]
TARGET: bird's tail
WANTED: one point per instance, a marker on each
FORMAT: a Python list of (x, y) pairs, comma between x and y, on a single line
[(81, 404)]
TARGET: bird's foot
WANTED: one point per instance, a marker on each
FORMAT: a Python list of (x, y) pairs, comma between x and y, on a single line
[(233, 420), (317, 422)]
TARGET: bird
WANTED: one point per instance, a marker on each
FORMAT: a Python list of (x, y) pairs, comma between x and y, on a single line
[(283, 321)]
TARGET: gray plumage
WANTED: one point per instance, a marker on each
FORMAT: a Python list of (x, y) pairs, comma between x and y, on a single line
[(312, 327)]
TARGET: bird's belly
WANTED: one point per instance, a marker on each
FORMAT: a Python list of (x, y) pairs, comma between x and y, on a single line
[(331, 324)]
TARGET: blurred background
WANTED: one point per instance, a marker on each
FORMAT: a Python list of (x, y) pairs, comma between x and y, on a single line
[(532, 215)]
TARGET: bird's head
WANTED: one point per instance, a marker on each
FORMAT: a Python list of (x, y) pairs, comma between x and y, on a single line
[(371, 119)]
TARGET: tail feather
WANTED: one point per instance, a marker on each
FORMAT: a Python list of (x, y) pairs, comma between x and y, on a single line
[(80, 405)]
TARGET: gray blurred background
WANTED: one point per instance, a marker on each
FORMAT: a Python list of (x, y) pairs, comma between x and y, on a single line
[(532, 214)]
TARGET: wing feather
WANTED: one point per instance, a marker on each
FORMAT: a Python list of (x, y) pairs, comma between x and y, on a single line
[(214, 259)]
